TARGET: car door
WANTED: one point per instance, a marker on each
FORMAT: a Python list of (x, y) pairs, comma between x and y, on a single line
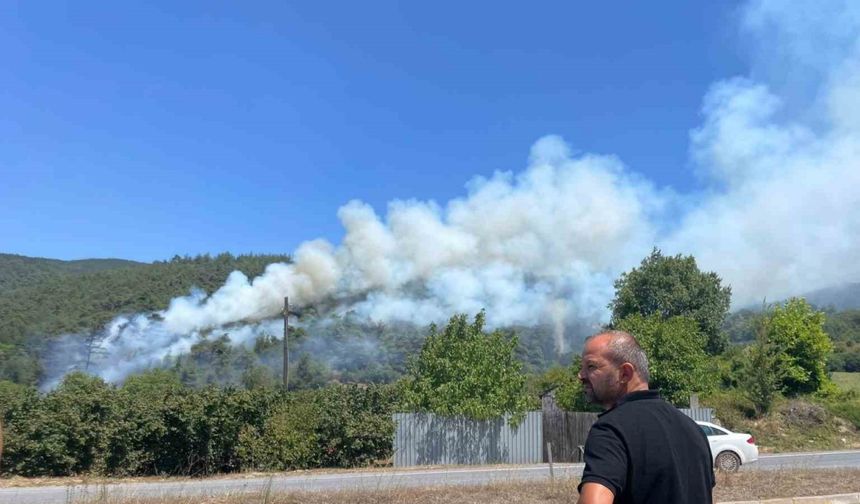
[(712, 439)]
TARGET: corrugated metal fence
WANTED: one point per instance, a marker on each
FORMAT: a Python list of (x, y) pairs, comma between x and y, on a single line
[(427, 439), (699, 414)]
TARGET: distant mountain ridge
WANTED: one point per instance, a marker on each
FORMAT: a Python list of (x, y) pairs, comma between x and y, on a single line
[(19, 271), (840, 297)]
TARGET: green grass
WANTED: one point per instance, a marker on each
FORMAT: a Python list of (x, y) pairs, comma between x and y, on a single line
[(847, 381), (847, 404)]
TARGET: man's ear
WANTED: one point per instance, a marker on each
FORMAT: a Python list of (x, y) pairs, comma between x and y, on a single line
[(627, 372)]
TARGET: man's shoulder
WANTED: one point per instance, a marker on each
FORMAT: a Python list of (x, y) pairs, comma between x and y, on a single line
[(641, 412), (625, 408)]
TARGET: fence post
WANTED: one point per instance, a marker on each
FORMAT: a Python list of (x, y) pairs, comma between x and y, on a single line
[(549, 454)]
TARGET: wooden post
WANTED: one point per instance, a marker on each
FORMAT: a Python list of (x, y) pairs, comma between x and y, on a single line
[(549, 454), (286, 340)]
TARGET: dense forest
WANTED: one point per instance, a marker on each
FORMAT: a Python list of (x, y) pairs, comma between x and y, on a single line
[(20, 271), (41, 299)]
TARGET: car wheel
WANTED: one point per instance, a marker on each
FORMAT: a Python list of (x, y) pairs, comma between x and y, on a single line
[(728, 461)]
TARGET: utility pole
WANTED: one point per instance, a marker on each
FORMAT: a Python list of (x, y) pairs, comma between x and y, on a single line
[(286, 342)]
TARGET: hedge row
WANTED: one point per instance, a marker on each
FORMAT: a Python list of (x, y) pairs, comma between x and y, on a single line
[(152, 425)]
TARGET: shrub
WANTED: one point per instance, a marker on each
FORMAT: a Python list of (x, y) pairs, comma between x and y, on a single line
[(288, 440), (155, 425), (63, 433), (731, 408), (17, 406), (355, 426)]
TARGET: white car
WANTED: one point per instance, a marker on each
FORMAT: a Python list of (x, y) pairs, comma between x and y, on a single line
[(729, 449)]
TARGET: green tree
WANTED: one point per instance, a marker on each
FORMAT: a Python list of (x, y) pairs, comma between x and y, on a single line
[(677, 360), (761, 373), (796, 329), (674, 287), (309, 373), (463, 370)]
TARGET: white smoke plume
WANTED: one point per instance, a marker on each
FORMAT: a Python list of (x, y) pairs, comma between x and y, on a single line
[(520, 246), (782, 215), (778, 214)]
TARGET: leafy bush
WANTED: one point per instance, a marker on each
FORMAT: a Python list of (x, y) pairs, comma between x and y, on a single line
[(63, 433), (731, 408), (155, 425), (288, 440), (17, 404), (355, 426)]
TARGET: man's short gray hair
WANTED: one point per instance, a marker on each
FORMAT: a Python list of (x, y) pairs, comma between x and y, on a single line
[(623, 347)]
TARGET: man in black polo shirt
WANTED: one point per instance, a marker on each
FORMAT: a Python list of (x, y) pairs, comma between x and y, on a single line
[(641, 449)]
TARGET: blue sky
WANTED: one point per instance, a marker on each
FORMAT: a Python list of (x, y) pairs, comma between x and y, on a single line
[(149, 130)]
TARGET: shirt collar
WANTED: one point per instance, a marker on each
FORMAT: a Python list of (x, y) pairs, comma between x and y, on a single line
[(637, 395)]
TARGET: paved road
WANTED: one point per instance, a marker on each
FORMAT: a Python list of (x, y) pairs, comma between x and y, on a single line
[(810, 460), (389, 479)]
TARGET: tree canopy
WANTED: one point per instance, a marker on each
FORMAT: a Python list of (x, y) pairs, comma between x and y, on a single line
[(677, 360), (673, 286), (796, 331), (463, 370)]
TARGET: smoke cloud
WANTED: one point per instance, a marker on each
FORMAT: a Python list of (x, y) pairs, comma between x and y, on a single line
[(778, 214), (782, 213)]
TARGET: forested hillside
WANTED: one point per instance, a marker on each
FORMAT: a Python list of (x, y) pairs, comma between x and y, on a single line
[(54, 301), (19, 271)]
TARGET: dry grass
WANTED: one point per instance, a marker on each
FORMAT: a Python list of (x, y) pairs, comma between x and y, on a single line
[(22, 482), (765, 484), (740, 486)]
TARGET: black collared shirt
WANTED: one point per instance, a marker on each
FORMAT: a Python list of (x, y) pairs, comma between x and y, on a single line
[(646, 451)]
